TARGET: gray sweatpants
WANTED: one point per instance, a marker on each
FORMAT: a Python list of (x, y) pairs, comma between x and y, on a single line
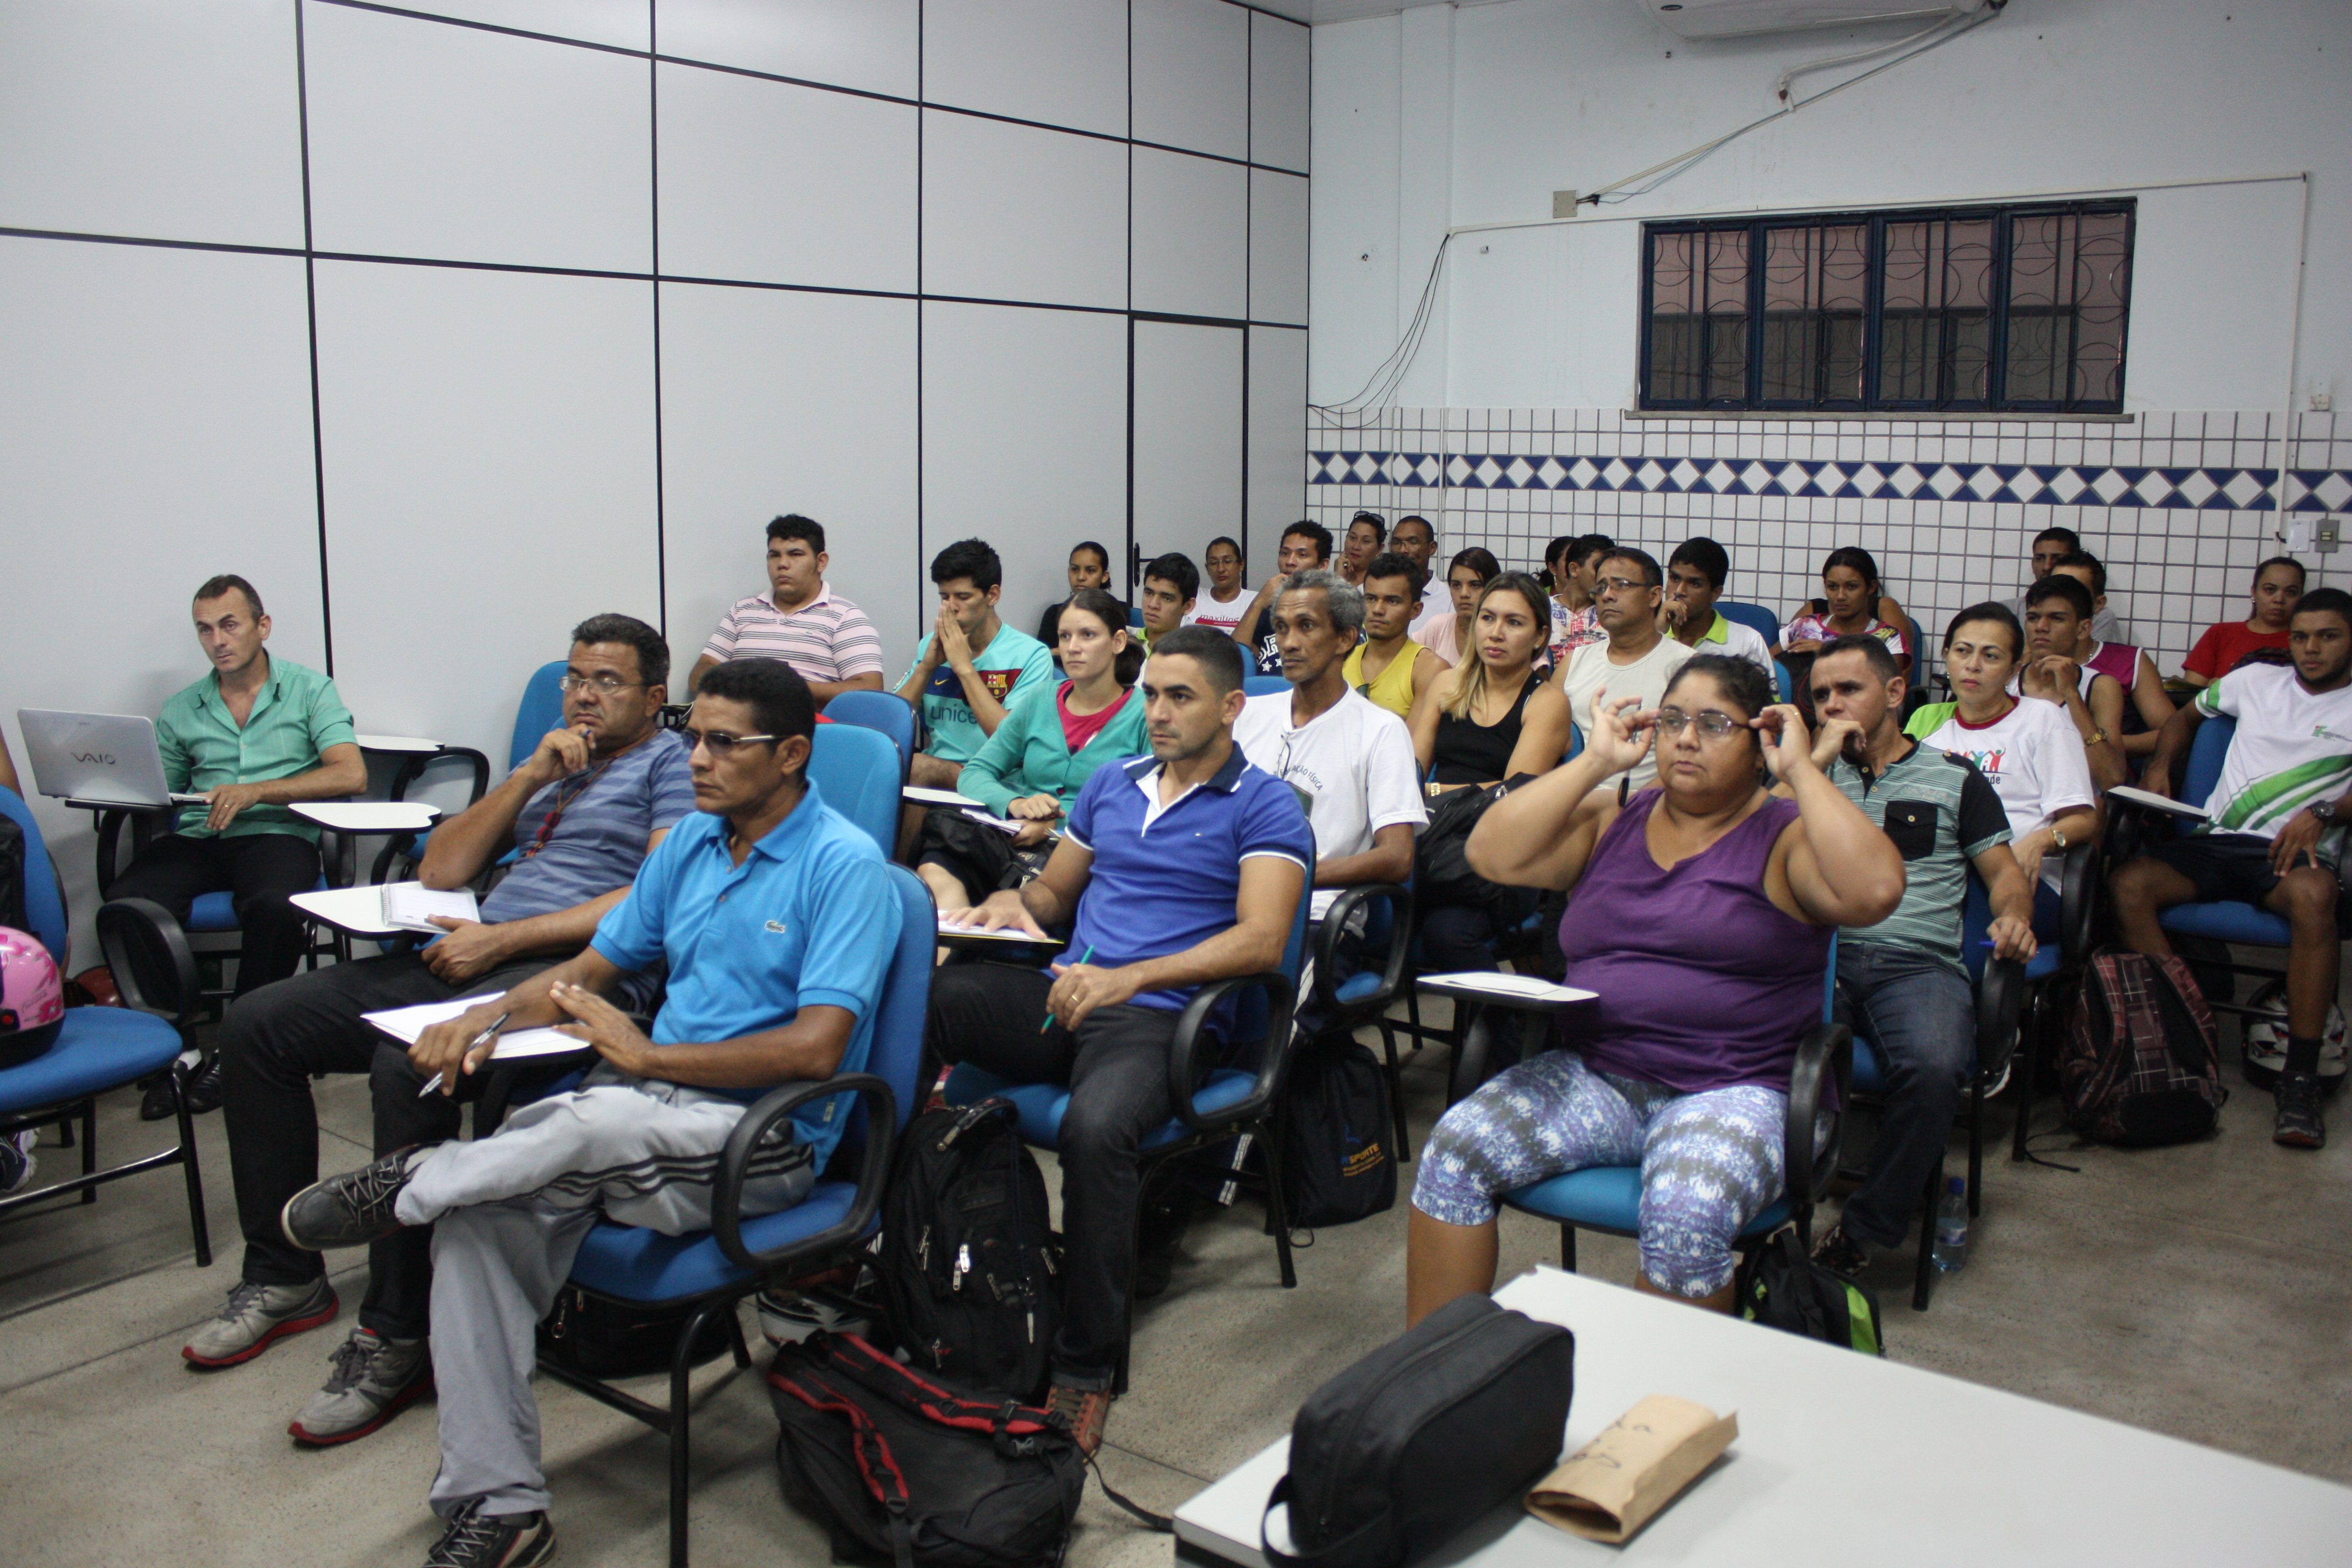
[(508, 1214)]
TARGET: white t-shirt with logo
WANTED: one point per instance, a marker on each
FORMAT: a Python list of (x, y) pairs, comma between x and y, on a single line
[(1352, 763), (1647, 677), (2293, 747), (1219, 615), (2033, 758)]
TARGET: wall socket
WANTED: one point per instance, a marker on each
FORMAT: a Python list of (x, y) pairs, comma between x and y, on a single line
[(2320, 402), (2326, 534), (1563, 204)]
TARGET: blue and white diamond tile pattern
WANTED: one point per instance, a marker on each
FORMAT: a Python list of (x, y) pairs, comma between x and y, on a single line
[(2041, 484)]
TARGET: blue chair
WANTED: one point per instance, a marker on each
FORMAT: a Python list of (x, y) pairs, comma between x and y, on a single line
[(711, 1271), (881, 711), (1756, 618), (1211, 1102), (1608, 1198), (95, 1049), (1342, 1006), (860, 772), (1260, 685), (541, 709)]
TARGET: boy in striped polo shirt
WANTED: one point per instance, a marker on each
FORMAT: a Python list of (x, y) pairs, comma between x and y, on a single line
[(2272, 838), (1900, 984), (800, 621)]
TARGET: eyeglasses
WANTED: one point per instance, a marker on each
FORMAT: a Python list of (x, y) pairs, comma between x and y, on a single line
[(1620, 585), (1715, 726), (606, 684), (721, 744)]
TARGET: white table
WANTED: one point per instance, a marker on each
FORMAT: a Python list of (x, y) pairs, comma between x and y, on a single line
[(369, 816), (357, 912), (406, 746), (1844, 1459)]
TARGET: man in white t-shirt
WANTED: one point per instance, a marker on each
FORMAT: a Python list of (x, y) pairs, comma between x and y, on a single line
[(1696, 573), (1415, 539), (2272, 835), (1349, 759), (1220, 609), (1638, 660)]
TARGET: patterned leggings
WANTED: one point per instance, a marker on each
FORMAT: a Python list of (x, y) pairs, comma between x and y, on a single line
[(1710, 1163)]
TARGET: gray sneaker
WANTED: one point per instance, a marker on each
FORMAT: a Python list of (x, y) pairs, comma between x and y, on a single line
[(254, 1315), (374, 1380)]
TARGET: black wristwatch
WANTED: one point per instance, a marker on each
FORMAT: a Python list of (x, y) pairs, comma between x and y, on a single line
[(2323, 809)]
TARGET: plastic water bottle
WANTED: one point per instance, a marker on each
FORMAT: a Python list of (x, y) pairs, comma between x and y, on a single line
[(1951, 1252)]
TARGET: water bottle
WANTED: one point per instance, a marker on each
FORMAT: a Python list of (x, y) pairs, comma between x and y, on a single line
[(1952, 1227)]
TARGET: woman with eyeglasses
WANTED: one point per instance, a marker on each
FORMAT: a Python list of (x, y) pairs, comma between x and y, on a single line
[(1465, 578), (1700, 911), (1032, 768)]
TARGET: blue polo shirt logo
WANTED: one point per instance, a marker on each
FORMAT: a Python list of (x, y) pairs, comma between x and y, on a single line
[(776, 928)]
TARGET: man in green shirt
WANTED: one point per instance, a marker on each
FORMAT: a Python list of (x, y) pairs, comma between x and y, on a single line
[(968, 668), (253, 736)]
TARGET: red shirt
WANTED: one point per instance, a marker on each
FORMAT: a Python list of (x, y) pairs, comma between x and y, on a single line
[(2219, 650), (1077, 731)]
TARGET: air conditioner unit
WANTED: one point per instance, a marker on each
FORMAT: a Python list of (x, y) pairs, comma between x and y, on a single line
[(1733, 18)]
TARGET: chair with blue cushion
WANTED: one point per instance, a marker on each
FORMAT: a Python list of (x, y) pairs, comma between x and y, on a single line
[(710, 1272), (1260, 685), (541, 709), (97, 1050), (1608, 1198), (1756, 618), (1212, 1103), (885, 711), (859, 773)]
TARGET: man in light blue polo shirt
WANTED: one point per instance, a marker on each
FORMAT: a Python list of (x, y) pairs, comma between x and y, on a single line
[(776, 920), (1178, 868)]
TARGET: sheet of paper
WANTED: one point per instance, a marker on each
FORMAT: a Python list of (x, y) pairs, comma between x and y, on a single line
[(953, 928), (370, 815), (922, 796), (407, 1024), (1524, 987), (408, 906), (2159, 803)]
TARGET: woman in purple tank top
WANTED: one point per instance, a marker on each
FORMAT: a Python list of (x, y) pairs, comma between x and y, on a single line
[(1701, 912)]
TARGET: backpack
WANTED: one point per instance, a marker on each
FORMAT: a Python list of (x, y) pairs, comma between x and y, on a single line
[(600, 1339), (1337, 1165), (2140, 1063), (12, 873), (968, 1266), (911, 1472), (1781, 1288)]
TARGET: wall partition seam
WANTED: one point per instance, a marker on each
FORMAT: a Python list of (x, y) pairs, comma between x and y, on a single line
[(922, 23), (653, 181), (310, 311)]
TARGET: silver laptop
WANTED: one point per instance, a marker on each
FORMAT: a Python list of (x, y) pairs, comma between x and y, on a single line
[(107, 757)]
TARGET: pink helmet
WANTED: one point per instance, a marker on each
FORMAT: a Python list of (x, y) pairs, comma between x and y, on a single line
[(31, 996)]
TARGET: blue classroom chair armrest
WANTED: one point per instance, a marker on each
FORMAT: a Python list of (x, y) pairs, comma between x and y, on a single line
[(2001, 1001), (1184, 1076), (1824, 1055), (1334, 928), (734, 1165), (2078, 892)]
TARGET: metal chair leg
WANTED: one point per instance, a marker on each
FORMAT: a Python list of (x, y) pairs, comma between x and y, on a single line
[(1567, 1247), (196, 1222), (90, 1146), (1396, 1093), (1922, 1282), (1976, 1146), (1270, 1139)]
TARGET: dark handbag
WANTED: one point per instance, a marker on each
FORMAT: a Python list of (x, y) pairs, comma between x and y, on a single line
[(1337, 1165), (1464, 1411), (1441, 876), (1781, 1288), (597, 1337)]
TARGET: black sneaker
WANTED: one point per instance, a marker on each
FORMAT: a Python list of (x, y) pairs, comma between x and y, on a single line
[(1840, 1253), (204, 1092), (2298, 1125), (477, 1540), (353, 1209)]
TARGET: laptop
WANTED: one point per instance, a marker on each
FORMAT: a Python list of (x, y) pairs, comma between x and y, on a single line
[(108, 758)]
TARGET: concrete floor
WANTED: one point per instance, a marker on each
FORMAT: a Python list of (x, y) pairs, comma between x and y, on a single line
[(2203, 1291)]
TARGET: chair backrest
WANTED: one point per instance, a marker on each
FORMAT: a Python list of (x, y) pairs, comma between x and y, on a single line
[(1755, 616), (1975, 918), (1259, 685), (2205, 754), (885, 714), (541, 710), (45, 902), (859, 772), (896, 1056), (1781, 677)]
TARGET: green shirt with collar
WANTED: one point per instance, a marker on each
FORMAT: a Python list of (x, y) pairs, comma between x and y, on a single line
[(296, 716)]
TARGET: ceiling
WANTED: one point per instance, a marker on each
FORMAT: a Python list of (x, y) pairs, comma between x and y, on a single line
[(1315, 11)]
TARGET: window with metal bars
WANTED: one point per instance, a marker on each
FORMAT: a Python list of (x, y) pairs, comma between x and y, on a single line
[(2014, 309)]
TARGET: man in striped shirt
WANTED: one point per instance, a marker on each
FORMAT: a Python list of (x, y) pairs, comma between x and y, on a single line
[(2272, 838), (799, 620)]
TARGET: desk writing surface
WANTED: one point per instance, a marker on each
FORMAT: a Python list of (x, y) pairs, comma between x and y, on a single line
[(406, 743), (369, 816), (1845, 1457), (358, 910)]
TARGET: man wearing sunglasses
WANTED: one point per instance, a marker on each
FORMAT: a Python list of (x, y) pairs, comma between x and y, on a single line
[(580, 814), (774, 916)]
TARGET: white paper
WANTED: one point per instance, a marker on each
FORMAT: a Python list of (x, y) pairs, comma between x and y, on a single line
[(922, 796), (407, 1024), (2159, 803), (370, 815), (954, 928), (1522, 987), (407, 906)]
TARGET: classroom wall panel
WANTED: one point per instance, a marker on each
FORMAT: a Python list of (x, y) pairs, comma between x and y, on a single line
[(489, 444), (765, 181), (744, 439), (1057, 62), (874, 45), (1277, 447), (1025, 442), (1278, 92), (1192, 75), (1192, 235), (154, 430), (1188, 436), (152, 118), (466, 145), (622, 24), (1277, 242), (1011, 212)]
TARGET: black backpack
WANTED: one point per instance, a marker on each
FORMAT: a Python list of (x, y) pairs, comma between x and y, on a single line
[(12, 875), (968, 1266), (1781, 1288), (1337, 1165), (911, 1472), (2141, 1063), (601, 1338)]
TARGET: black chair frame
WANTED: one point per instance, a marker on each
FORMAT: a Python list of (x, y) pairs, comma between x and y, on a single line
[(1347, 1017)]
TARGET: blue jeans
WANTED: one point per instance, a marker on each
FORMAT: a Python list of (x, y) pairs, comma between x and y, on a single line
[(1920, 1015)]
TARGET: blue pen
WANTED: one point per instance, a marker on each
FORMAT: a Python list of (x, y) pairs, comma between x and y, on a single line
[(1049, 1012)]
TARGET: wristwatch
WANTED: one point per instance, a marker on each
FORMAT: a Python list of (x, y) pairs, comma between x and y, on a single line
[(2096, 737), (2323, 809), (2058, 839)]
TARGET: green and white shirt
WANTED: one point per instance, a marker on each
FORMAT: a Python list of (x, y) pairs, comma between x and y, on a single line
[(2293, 746)]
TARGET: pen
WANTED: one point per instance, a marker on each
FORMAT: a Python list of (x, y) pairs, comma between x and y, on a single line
[(1049, 1012), (487, 1035)]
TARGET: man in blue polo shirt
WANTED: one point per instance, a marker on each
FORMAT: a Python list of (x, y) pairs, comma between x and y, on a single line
[(775, 916), (1179, 868)]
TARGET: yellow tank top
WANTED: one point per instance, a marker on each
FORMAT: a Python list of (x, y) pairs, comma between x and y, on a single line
[(1393, 689)]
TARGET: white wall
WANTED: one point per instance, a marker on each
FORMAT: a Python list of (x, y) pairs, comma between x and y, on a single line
[(576, 321)]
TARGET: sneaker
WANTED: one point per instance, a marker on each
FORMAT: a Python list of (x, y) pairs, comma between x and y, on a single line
[(1840, 1253), (2298, 1125), (1085, 1411), (477, 1540), (258, 1315), (374, 1379), (353, 1209), (204, 1092), (17, 1161)]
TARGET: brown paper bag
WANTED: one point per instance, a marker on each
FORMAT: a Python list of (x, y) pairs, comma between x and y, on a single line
[(1608, 1489)]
